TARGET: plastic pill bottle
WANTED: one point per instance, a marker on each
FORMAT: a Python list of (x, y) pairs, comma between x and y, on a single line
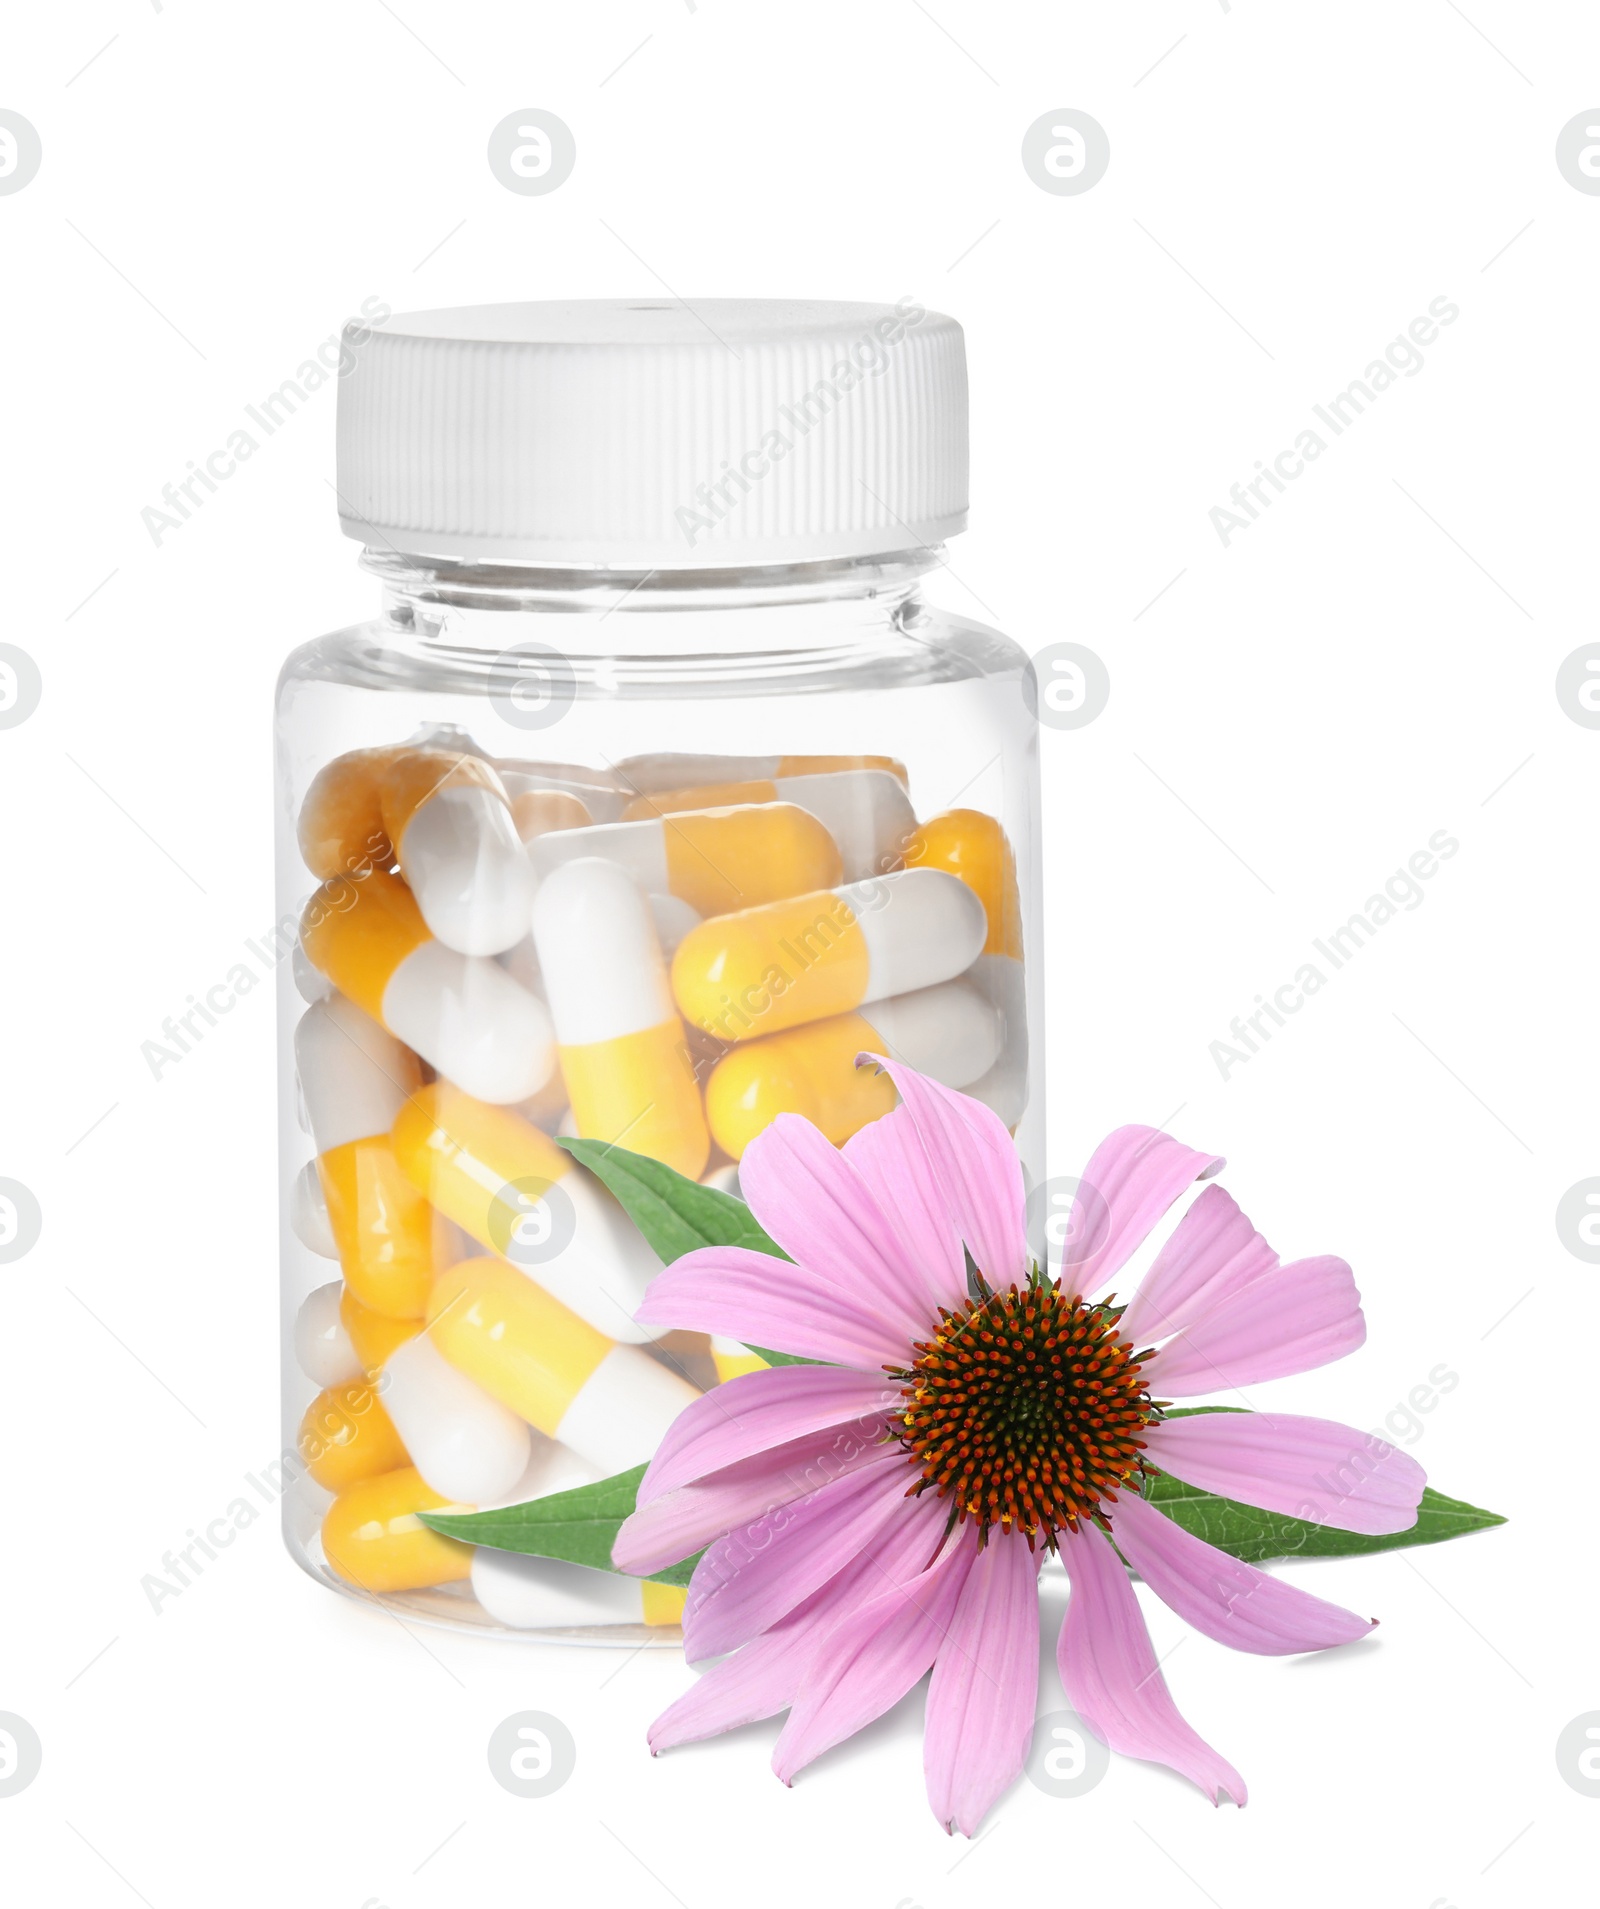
[(654, 792)]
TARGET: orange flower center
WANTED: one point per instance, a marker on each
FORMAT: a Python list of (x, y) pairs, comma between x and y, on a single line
[(1025, 1410)]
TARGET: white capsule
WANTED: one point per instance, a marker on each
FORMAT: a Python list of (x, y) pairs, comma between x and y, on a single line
[(308, 1213), (623, 1409), (355, 1075), (529, 1594), (1004, 1087), (466, 1445), (921, 927), (949, 1032), (322, 1347), (473, 1021), (464, 862), (598, 951)]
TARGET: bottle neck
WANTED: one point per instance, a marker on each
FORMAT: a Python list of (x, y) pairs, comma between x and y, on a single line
[(648, 610)]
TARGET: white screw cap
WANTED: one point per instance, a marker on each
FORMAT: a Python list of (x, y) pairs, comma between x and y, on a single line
[(655, 434)]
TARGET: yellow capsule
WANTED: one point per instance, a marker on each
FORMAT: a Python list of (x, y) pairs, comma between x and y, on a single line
[(609, 1403), (346, 1435), (767, 969), (353, 1079), (373, 1538), (949, 1032), (521, 1345), (340, 827), (638, 1091), (866, 812), (973, 846), (810, 1071), (383, 1227), (716, 859), (374, 1335)]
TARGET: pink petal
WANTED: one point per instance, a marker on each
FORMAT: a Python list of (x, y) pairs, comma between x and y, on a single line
[(873, 1657), (762, 1679), (975, 1165), (1108, 1667), (762, 1570), (764, 1301), (1213, 1251), (1301, 1316), (757, 1411), (1228, 1600), (985, 1686), (814, 1203), (1309, 1468), (890, 1157), (679, 1523), (1134, 1176)]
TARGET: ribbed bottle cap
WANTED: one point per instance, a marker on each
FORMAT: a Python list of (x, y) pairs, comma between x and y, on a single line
[(655, 435)]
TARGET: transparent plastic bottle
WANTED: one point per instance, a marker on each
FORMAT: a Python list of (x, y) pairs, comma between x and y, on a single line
[(620, 824)]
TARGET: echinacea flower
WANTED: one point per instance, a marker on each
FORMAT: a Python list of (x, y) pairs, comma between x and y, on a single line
[(885, 1511)]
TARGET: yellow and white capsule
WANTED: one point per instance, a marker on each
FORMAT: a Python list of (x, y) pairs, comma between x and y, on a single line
[(462, 1013), (373, 1336), (865, 811), (373, 1538), (948, 1032), (765, 969), (340, 826), (973, 846), (516, 1192), (670, 769), (716, 860), (548, 1594), (623, 1052), (355, 1079), (466, 1445), (609, 1403), (449, 817)]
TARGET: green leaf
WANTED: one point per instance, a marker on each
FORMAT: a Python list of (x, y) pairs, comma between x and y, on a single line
[(677, 1215), (1244, 1532), (1253, 1535), (579, 1525)]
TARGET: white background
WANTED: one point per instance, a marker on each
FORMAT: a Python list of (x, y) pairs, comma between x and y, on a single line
[(1291, 717)]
